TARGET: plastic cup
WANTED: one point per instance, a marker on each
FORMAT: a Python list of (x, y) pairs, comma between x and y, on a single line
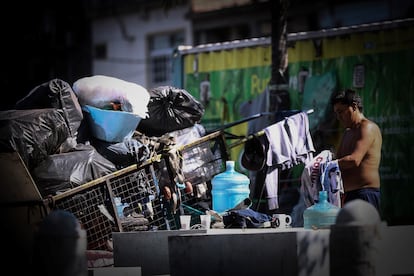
[(185, 222), (205, 220)]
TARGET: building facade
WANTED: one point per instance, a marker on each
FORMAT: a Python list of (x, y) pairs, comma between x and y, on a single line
[(135, 40)]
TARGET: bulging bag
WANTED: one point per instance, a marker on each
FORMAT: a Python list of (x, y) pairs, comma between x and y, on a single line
[(170, 109), (102, 91), (58, 94)]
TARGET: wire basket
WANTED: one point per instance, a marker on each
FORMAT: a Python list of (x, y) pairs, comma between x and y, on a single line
[(203, 159), (139, 190), (94, 204), (91, 204)]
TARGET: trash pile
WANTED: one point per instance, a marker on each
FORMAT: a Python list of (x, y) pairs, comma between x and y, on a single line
[(68, 135)]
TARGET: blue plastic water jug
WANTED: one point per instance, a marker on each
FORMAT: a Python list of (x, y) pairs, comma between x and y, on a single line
[(229, 188), (320, 215)]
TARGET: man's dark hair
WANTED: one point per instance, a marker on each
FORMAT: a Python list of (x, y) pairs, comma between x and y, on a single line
[(347, 97)]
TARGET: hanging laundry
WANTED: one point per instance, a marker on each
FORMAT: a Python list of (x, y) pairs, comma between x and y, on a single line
[(322, 174), (290, 144), (302, 143), (331, 180)]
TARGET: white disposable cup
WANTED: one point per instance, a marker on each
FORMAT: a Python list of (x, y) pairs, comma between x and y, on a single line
[(185, 222), (284, 220), (205, 220)]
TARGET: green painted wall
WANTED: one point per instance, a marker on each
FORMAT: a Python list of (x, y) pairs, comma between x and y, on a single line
[(378, 64)]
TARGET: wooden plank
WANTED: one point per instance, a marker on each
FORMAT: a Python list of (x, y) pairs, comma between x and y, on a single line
[(17, 185)]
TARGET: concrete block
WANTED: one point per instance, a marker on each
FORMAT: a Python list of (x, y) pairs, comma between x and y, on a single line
[(396, 250), (146, 249), (249, 252), (313, 252)]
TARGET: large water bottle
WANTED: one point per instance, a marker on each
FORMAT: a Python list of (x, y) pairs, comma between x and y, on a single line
[(320, 215), (229, 188)]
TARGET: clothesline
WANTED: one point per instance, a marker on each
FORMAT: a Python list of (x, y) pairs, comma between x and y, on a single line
[(261, 132)]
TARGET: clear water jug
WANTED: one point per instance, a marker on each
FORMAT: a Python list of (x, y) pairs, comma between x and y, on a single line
[(229, 188), (321, 215)]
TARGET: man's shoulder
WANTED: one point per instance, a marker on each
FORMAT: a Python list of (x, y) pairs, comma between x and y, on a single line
[(369, 124), (371, 128)]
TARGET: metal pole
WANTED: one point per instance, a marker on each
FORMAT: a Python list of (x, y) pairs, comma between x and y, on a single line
[(278, 85)]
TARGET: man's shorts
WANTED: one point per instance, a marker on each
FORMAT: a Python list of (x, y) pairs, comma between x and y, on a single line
[(371, 195)]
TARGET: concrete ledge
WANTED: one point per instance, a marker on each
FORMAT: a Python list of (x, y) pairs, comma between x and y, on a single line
[(289, 252), (266, 251), (146, 249), (246, 252), (396, 251), (115, 271)]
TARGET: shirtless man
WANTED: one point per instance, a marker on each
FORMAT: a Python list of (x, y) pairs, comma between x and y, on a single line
[(359, 153)]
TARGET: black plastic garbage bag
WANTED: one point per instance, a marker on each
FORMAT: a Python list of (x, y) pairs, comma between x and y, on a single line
[(64, 171), (122, 154), (170, 109), (58, 94), (33, 133)]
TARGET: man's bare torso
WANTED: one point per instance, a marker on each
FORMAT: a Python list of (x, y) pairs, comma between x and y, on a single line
[(367, 173)]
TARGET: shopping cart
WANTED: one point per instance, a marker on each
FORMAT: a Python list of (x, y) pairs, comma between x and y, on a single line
[(94, 203), (203, 158)]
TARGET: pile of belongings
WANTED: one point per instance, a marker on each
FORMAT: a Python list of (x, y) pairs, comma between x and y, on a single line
[(52, 130)]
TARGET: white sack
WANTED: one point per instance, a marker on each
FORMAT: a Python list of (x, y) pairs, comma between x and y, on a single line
[(99, 91)]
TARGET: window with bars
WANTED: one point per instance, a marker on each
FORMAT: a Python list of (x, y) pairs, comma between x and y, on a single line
[(161, 48)]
